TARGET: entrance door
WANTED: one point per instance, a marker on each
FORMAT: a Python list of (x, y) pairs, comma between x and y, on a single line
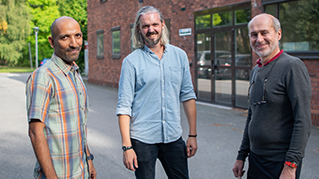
[(223, 67), (204, 67), (222, 60), (223, 55)]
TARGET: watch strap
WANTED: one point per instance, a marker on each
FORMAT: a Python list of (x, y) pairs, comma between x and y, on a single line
[(291, 164), (125, 148), (90, 157)]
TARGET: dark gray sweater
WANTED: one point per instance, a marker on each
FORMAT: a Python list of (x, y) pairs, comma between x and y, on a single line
[(278, 130)]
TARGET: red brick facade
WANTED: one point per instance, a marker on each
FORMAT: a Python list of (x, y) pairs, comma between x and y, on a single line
[(112, 13)]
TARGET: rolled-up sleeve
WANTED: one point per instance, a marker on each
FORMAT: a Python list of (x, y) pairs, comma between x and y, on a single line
[(126, 89), (187, 89)]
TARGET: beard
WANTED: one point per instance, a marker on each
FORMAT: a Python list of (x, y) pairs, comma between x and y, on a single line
[(264, 52), (69, 57), (151, 42)]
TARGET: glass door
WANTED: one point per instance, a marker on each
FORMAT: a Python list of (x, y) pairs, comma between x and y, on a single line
[(204, 67), (222, 67)]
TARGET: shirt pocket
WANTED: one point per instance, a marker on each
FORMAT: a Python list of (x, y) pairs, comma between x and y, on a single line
[(175, 74), (140, 79)]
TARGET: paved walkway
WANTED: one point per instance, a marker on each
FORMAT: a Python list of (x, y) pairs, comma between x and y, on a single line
[(219, 134)]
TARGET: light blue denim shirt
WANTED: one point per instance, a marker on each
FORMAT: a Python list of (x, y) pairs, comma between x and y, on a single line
[(150, 92)]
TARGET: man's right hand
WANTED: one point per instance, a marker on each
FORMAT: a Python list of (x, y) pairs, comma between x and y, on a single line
[(238, 169), (130, 159)]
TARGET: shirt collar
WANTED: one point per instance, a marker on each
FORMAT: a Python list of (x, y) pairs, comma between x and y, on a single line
[(148, 50), (66, 68), (275, 57)]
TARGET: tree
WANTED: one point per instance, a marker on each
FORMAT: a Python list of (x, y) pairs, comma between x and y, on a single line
[(14, 29), (44, 12)]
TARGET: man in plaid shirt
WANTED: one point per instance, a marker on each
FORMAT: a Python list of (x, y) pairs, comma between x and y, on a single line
[(57, 108)]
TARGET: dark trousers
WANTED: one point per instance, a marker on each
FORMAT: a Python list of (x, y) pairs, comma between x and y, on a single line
[(172, 155), (261, 168)]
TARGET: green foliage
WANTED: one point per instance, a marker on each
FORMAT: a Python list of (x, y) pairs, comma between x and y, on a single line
[(202, 22), (44, 12), (15, 28), (15, 70), (216, 19), (299, 22)]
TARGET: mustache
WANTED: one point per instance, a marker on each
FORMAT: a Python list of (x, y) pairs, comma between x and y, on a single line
[(151, 33), (73, 48), (263, 43)]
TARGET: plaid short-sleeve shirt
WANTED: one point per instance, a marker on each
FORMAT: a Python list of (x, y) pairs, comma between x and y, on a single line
[(56, 95)]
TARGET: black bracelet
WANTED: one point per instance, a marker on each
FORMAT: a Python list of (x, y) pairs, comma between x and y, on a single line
[(192, 135)]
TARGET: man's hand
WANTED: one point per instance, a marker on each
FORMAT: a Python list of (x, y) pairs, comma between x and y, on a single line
[(191, 146), (288, 173), (41, 148), (238, 169), (92, 170), (130, 159)]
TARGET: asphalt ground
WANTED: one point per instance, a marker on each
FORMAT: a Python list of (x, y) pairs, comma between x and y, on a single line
[(220, 131)]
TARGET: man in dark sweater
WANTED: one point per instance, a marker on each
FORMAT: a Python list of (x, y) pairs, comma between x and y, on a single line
[(279, 121)]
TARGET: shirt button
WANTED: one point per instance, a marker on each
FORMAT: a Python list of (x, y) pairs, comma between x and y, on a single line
[(163, 94), (164, 121), (163, 107)]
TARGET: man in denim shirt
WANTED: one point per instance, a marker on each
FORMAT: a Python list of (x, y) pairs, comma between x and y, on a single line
[(155, 78)]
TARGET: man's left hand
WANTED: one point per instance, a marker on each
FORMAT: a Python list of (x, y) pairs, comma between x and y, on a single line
[(288, 173), (191, 146), (92, 170)]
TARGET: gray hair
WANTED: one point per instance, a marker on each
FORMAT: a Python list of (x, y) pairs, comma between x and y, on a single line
[(275, 22), (137, 38)]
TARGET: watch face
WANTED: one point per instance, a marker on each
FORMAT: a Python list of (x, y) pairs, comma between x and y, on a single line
[(126, 148), (91, 157)]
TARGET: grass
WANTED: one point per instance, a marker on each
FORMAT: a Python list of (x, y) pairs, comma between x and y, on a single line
[(6, 69)]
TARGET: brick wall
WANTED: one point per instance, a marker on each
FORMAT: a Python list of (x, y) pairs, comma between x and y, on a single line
[(112, 13), (313, 68)]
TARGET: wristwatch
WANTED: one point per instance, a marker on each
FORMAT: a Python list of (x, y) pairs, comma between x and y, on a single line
[(124, 148), (91, 157), (291, 164)]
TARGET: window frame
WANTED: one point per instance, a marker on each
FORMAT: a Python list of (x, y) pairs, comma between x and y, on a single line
[(99, 55), (131, 29), (299, 54), (114, 29)]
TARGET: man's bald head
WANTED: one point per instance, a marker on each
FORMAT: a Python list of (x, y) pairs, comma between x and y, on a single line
[(66, 39), (57, 22), (265, 16)]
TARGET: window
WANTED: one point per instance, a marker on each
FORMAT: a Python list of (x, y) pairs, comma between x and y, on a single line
[(116, 45), (168, 25), (299, 30), (131, 27), (242, 16), (100, 43), (222, 19), (202, 22)]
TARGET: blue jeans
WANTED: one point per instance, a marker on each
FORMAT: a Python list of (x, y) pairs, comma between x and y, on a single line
[(172, 155)]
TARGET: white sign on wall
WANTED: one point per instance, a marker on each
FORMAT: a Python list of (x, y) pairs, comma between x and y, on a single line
[(186, 31)]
